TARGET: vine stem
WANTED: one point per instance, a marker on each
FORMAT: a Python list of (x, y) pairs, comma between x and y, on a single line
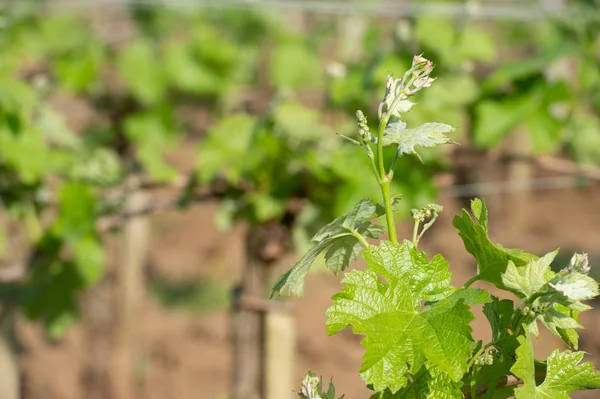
[(360, 238), (415, 238), (384, 181), (471, 281)]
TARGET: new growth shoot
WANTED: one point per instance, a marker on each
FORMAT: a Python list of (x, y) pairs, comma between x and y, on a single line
[(418, 340)]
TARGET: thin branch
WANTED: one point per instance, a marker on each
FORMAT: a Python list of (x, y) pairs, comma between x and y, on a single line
[(112, 222), (17, 271)]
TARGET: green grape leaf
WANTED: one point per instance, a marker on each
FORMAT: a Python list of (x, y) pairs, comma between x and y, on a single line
[(524, 368), (344, 246), (495, 119), (477, 44), (564, 373), (219, 154), (523, 68), (153, 132), (544, 130), (530, 279), (399, 335), (438, 35), (265, 206), (453, 91), (89, 257), (499, 313), (585, 142), (25, 150), (552, 298), (55, 129), (186, 73), (77, 207), (292, 282), (427, 135), (575, 286), (294, 65), (471, 296), (80, 69), (428, 383), (50, 292), (492, 260), (141, 73), (342, 252), (300, 123)]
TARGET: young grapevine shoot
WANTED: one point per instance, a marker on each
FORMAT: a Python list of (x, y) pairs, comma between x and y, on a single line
[(417, 338)]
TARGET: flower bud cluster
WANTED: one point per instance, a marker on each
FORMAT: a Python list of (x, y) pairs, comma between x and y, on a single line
[(580, 263), (485, 360), (421, 69), (363, 127), (427, 212), (397, 91), (536, 309)]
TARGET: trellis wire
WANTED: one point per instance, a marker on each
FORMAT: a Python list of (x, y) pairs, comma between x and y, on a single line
[(476, 9)]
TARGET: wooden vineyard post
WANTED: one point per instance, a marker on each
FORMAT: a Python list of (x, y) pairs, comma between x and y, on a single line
[(264, 245), (247, 335), (9, 365), (130, 294), (280, 352)]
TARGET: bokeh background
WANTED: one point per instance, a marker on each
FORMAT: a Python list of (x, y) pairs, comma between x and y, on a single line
[(162, 162)]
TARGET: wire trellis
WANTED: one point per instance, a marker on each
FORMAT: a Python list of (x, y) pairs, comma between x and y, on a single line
[(513, 10)]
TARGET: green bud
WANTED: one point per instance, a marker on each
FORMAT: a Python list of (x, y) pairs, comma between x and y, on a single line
[(485, 360), (363, 127)]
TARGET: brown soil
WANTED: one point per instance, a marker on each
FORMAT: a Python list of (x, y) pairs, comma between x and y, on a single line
[(187, 356)]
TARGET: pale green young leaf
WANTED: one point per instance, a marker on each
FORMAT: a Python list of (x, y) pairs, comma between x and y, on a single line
[(553, 298), (575, 286), (399, 336), (530, 279), (427, 135), (554, 319), (480, 212), (564, 374), (492, 260)]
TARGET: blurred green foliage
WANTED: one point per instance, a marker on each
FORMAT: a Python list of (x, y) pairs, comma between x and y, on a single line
[(191, 296), (275, 97)]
